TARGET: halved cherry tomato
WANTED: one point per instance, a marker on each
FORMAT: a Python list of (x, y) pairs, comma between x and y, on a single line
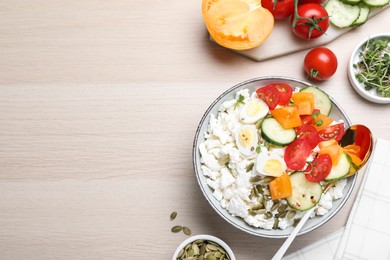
[(280, 187), (332, 132), (319, 168), (285, 93), (287, 117), (280, 9), (237, 24), (296, 154), (270, 94), (309, 133)]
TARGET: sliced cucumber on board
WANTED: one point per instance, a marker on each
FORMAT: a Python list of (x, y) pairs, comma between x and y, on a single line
[(351, 2), (340, 170), (321, 99), (376, 3), (305, 194), (363, 16), (342, 15), (274, 133)]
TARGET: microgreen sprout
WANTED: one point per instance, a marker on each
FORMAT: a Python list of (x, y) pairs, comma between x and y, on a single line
[(374, 66)]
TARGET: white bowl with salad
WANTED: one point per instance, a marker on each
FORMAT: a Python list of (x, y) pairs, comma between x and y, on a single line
[(264, 151), (368, 68)]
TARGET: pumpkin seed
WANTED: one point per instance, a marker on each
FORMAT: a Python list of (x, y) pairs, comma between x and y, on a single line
[(268, 215), (267, 179), (266, 191), (173, 215), (282, 208), (250, 167), (276, 223), (181, 253), (255, 179), (281, 215), (211, 247), (296, 221), (291, 214), (275, 206), (195, 248), (203, 250), (187, 231), (176, 229)]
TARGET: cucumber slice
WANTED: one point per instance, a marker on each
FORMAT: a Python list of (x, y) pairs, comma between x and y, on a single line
[(305, 194), (351, 2), (274, 133), (340, 170), (321, 99), (376, 3), (342, 15), (363, 16)]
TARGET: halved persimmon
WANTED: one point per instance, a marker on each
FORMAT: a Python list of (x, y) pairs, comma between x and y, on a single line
[(237, 24)]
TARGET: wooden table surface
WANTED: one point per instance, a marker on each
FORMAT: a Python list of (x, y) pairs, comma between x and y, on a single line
[(99, 103)]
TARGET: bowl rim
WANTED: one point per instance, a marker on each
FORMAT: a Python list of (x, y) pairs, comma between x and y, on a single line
[(247, 228), (212, 238), (359, 88)]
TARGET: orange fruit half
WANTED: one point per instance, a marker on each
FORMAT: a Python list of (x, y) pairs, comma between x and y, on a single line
[(237, 24)]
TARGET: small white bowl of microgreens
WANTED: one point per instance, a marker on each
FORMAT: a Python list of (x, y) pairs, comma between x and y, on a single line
[(369, 68), (205, 247)]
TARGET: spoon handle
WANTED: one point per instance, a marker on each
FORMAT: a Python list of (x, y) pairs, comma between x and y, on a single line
[(282, 250)]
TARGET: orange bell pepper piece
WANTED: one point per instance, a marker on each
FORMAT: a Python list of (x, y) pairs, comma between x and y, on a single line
[(304, 101), (333, 149), (321, 121), (287, 117), (280, 187)]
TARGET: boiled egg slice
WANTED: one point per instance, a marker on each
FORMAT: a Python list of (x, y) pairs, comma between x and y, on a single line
[(253, 111), (270, 164), (247, 139)]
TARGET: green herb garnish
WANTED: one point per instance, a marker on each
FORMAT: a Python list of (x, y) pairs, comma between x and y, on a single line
[(374, 66), (239, 101)]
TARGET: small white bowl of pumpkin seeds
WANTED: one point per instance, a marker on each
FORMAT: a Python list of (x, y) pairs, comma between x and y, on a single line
[(205, 247)]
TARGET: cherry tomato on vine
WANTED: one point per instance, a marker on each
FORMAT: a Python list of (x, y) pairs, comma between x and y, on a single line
[(312, 21), (320, 63), (282, 9)]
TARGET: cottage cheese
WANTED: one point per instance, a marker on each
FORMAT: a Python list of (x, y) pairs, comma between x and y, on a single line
[(226, 169)]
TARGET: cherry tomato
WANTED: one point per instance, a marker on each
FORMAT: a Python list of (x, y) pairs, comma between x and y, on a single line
[(296, 154), (312, 21), (270, 94), (309, 133), (282, 9), (319, 168), (332, 132), (320, 63)]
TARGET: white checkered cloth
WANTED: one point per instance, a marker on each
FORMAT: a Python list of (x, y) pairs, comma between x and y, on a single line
[(367, 233)]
